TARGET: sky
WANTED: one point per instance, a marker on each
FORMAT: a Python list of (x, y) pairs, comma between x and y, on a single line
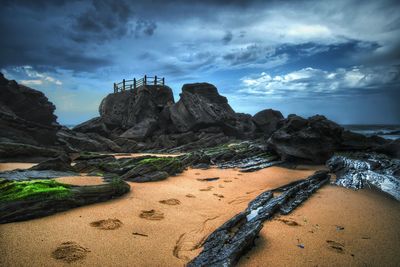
[(337, 58)]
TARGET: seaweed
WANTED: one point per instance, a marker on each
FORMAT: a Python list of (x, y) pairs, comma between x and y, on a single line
[(14, 190)]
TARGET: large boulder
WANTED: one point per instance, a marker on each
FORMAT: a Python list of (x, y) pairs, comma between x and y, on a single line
[(128, 108), (201, 106), (268, 120), (312, 140)]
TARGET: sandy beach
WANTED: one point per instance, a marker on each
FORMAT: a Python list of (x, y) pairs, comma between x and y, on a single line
[(164, 223), (9, 166)]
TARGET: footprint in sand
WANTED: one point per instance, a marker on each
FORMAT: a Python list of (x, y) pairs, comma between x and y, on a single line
[(239, 174), (221, 186), (197, 173), (219, 195), (240, 200), (170, 201), (207, 188), (227, 181), (69, 252), (153, 215), (187, 244), (109, 224), (335, 246), (190, 196), (289, 222)]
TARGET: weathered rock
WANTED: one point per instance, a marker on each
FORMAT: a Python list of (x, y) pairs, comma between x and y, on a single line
[(268, 120), (355, 170), (61, 163), (151, 177), (311, 140), (26, 103), (95, 125), (26, 115), (358, 142), (21, 151), (26, 175), (75, 141), (390, 148), (141, 130), (229, 242), (22, 210), (128, 108), (152, 169), (200, 106)]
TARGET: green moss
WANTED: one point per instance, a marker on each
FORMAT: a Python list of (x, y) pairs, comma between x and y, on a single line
[(160, 163), (13, 191)]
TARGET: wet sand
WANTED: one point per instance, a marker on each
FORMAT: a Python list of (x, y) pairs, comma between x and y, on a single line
[(337, 227), (81, 180), (9, 166), (163, 224)]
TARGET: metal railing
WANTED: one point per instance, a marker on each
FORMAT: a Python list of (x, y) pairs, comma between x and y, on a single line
[(133, 84)]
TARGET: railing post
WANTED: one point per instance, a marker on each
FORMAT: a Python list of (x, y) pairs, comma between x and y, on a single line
[(115, 88), (123, 84), (155, 80), (134, 83), (163, 81), (145, 80)]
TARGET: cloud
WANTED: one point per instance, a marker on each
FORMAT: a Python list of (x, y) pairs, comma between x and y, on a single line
[(227, 37), (33, 77), (145, 28), (310, 82)]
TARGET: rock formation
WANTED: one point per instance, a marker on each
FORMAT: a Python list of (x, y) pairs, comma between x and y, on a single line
[(356, 170), (314, 139), (26, 115), (29, 127), (149, 117)]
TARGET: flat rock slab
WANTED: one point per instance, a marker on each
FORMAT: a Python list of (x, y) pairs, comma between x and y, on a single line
[(23, 210), (235, 237), (26, 175), (356, 170)]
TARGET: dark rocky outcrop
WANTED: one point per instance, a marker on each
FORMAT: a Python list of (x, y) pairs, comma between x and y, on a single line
[(356, 170), (95, 125), (76, 141), (26, 115), (147, 119), (29, 128), (314, 140), (268, 120), (18, 151), (61, 163), (229, 242), (201, 106), (311, 140)]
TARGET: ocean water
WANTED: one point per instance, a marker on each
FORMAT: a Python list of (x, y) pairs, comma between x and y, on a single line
[(386, 131)]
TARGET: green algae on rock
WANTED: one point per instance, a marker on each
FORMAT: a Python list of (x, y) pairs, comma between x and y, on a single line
[(47, 197), (13, 190)]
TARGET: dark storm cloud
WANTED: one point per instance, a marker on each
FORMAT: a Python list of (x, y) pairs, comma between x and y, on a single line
[(326, 56), (101, 21), (253, 54), (145, 27), (227, 37)]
